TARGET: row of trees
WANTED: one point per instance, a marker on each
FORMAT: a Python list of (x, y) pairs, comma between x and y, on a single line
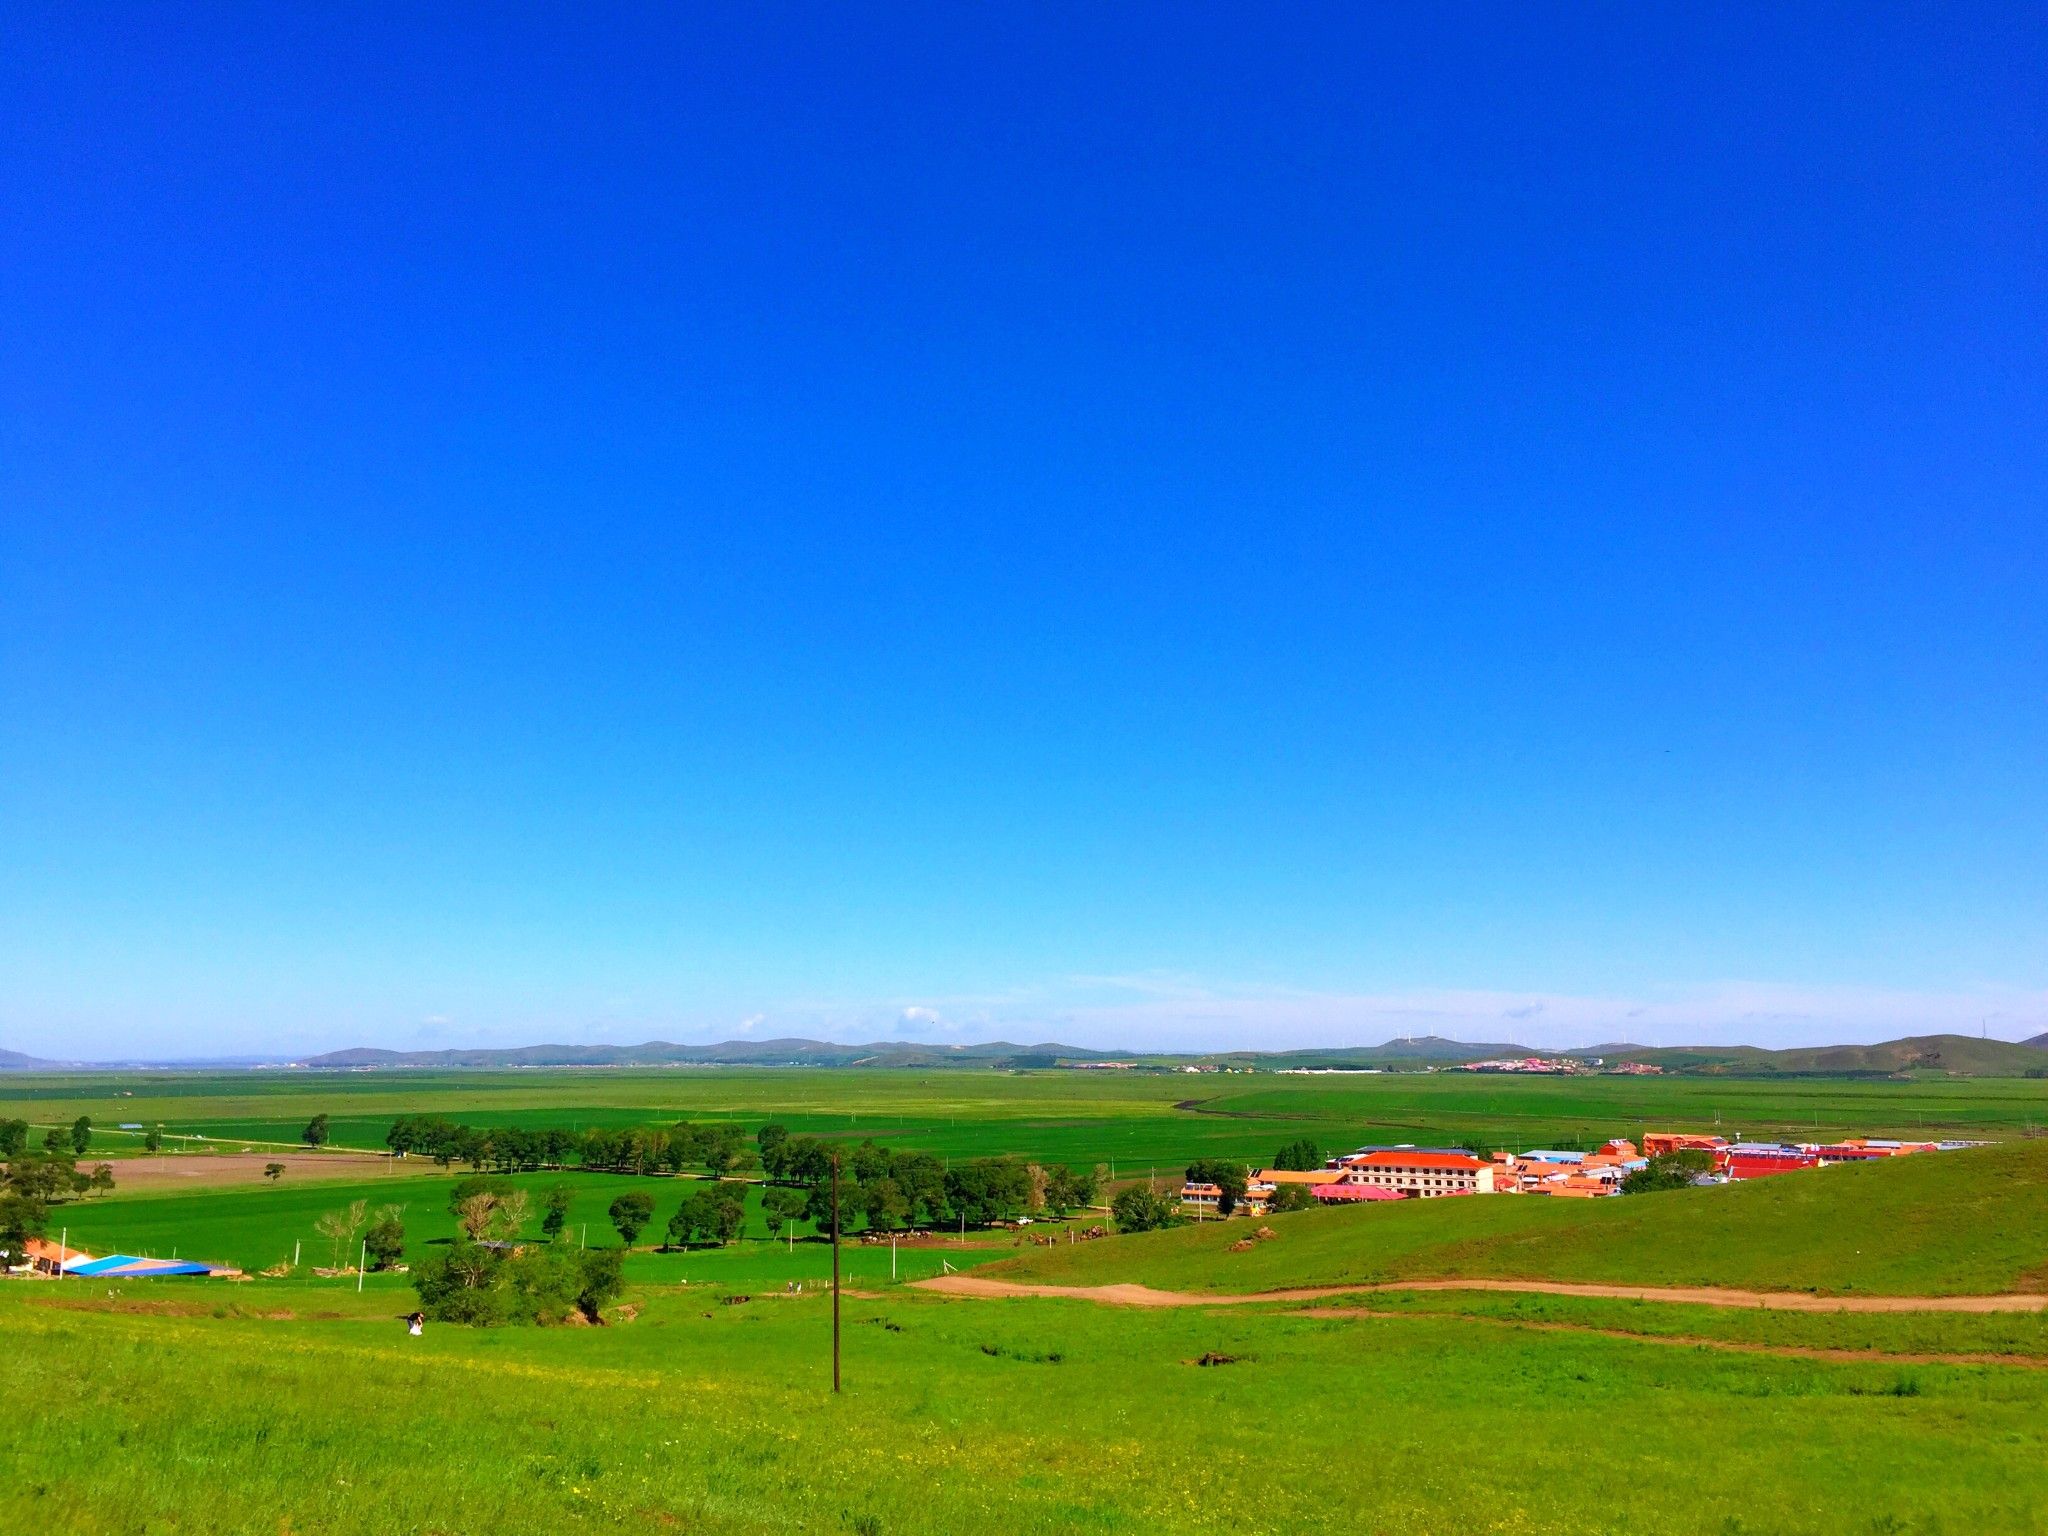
[(31, 1185), (718, 1149), (888, 1190), (880, 1188), (57, 1140)]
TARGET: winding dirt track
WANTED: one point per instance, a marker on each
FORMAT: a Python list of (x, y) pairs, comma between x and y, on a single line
[(1708, 1296)]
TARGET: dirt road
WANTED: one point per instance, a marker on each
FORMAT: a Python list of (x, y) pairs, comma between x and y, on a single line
[(1709, 1296)]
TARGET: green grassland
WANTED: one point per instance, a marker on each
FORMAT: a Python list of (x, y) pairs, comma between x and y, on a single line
[(298, 1404), (970, 1417), (1944, 1223), (255, 1227), (1135, 1120)]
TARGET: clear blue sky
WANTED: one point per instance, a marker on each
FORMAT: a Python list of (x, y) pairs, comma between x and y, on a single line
[(1131, 525)]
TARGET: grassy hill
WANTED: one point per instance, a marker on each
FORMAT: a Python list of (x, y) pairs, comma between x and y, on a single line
[(1962, 1054), (1951, 1223), (1955, 1055)]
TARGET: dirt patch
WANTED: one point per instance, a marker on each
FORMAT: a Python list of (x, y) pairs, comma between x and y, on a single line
[(200, 1170), (1708, 1296)]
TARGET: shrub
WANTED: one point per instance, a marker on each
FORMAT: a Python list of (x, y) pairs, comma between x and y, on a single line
[(1138, 1209)]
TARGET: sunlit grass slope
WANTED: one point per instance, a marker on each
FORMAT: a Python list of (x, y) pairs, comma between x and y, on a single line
[(1033, 1417), (1959, 1222)]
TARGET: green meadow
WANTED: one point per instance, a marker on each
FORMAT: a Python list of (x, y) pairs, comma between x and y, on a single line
[(984, 1417)]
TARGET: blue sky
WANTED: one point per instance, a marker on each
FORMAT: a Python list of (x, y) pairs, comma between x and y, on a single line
[(1157, 527)]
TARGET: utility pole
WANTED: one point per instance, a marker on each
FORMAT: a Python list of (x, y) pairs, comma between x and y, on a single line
[(362, 1255), (835, 1272)]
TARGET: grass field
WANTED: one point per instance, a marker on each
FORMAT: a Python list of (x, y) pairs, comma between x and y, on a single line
[(1136, 1121), (1015, 1417), (1946, 1223)]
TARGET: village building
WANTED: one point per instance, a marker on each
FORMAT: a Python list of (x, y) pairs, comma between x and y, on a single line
[(1418, 1173)]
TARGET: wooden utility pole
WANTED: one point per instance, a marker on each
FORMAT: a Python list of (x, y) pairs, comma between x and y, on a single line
[(835, 1271)]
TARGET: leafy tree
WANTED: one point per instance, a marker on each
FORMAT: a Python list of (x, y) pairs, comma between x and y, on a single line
[(868, 1162), (1066, 1189), (102, 1181), (770, 1140), (1138, 1209), (922, 1179), (987, 1189), (630, 1213), (385, 1240), (46, 1180), (1228, 1177), (13, 1137), (555, 1211), (714, 1214), (1673, 1170), (21, 1218), (805, 1162), (1302, 1156), (818, 1203), (603, 1279), (25, 1196), (56, 1140), (462, 1285), (153, 1139), (315, 1133), (721, 1148), (273, 1171), (81, 1135), (1290, 1197), (884, 1204), (780, 1207)]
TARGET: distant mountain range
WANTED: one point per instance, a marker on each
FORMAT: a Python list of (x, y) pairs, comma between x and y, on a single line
[(1956, 1055), (736, 1053)]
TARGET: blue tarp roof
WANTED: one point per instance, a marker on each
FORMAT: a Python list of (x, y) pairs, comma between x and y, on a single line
[(125, 1266)]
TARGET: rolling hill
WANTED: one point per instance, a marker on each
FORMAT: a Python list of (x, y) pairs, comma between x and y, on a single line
[(14, 1061), (1971, 1222)]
